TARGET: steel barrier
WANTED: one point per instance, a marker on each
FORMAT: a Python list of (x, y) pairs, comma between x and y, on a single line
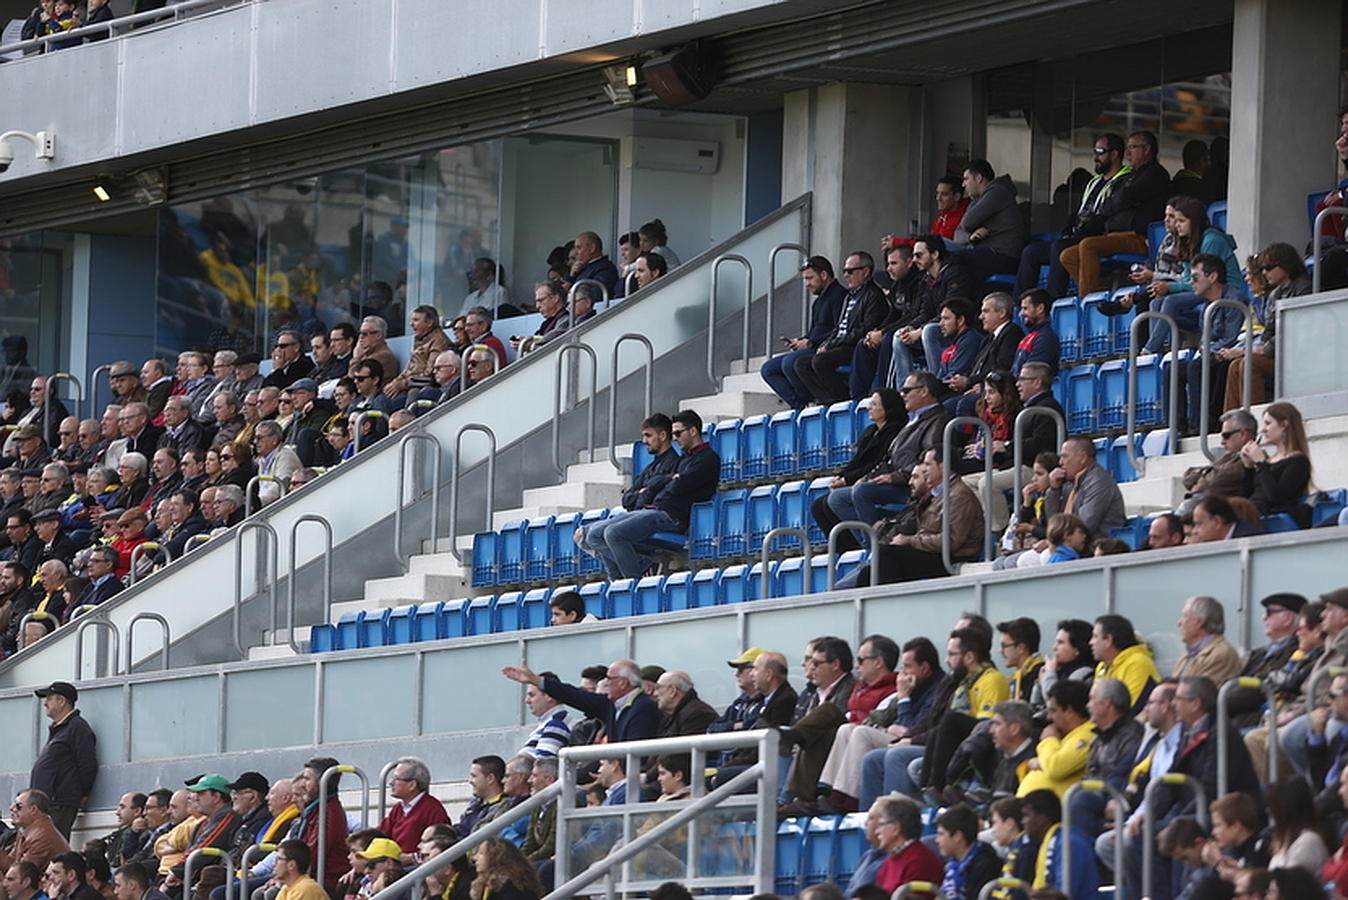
[(557, 402), (275, 550), (1120, 810), (838, 529), (1018, 443), (131, 635), (711, 309), (189, 867), (772, 296), (918, 887), (316, 519), (384, 773), (359, 421), (1173, 419), (114, 658), (112, 27), (649, 407), (93, 389), (247, 858), (1223, 720), (1149, 818), (321, 863), (571, 298), (766, 592), (50, 396), (34, 617), (948, 467), (1006, 882), (454, 482), (436, 453), (256, 482), (1205, 401), (140, 550)]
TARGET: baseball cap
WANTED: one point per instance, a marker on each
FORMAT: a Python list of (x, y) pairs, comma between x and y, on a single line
[(382, 848), (61, 689), (24, 432), (1292, 602), (305, 384), (251, 781), (746, 658), (211, 782)]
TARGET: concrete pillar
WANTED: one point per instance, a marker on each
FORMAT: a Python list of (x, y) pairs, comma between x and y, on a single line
[(852, 145), (1284, 116)]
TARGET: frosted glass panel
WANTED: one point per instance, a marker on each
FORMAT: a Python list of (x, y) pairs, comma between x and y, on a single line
[(929, 614), (102, 707), (1303, 339), (787, 630), (465, 689), (16, 750), (1048, 600), (372, 698), (250, 725), (699, 648), (1151, 597), (174, 718), (566, 655)]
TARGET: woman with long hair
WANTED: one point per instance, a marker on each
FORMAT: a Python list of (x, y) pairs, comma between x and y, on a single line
[(1296, 840), (1070, 657), (215, 473), (998, 405), (1276, 482), (236, 462), (1194, 236), (504, 873)]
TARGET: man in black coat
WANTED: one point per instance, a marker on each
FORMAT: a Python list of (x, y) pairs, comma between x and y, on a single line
[(68, 764), (1001, 337), (627, 712), (863, 310)]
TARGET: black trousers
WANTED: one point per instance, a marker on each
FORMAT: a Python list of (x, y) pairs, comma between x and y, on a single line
[(904, 564), (819, 373)]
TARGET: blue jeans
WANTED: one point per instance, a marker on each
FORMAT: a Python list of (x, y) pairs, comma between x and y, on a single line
[(1293, 736), (780, 374), (858, 501), (1184, 309), (885, 770), (616, 540), (933, 342)]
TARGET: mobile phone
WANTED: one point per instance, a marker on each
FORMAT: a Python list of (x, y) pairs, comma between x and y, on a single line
[(784, 339)]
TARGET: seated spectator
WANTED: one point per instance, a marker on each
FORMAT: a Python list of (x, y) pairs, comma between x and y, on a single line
[(1067, 539), (428, 339), (36, 841), (969, 863), (1280, 618), (1225, 476), (372, 346), (887, 480), (653, 238), (1207, 652), (979, 688), (131, 472), (1020, 650), (1208, 285), (1276, 482), (67, 873), (648, 267), (446, 381), (1039, 438), (991, 235), (1283, 271), (863, 309), (882, 359), (951, 205), (477, 324), (899, 834), (1294, 882), (56, 545), (1011, 730), (550, 301), (504, 872), (273, 458), (618, 540), (568, 608), (1195, 238), (1065, 742), (1120, 225), (1185, 842), (288, 359), (1040, 343), (1042, 819), (590, 263), (1236, 833), (1296, 840), (961, 345), (600, 837), (416, 810), (1084, 488), (683, 712), (1215, 519), (102, 582), (780, 371), (1120, 654), (1112, 755), (778, 709), (294, 861), (865, 868), (997, 351)]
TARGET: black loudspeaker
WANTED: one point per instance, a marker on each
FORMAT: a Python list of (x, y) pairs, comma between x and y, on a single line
[(685, 75)]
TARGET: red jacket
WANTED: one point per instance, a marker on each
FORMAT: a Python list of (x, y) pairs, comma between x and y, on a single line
[(337, 862), (407, 829), (915, 862), (945, 223), (866, 697)]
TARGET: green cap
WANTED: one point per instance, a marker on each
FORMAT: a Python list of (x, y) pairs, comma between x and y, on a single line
[(212, 782)]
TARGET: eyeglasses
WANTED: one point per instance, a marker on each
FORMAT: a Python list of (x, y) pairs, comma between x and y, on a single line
[(279, 345), (369, 334), (908, 388), (478, 362), (1268, 268), (226, 455), (1226, 435), (284, 402), (866, 658), (369, 377), (850, 269), (1100, 151), (677, 432)]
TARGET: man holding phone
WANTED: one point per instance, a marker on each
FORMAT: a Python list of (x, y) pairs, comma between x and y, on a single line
[(780, 371)]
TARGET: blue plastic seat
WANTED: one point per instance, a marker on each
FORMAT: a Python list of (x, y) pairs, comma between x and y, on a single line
[(348, 631), (704, 588), (754, 450), (1112, 377), (861, 417), (753, 588), (761, 514), (505, 612), (641, 458), (1082, 398), (510, 557), (322, 638), (789, 579), (1278, 523), (791, 511), (585, 563), (849, 844), (620, 597), (817, 862), (455, 619), (726, 443), (1101, 446), (534, 609), (665, 542), (1120, 326), (783, 449), (562, 547), (427, 622), (1156, 443), (595, 597), (812, 448), (1097, 329), (702, 540), (485, 545), (731, 519), (373, 627), (538, 534), (818, 488), (1133, 533), (839, 432), (1120, 466), (1168, 359), (1149, 410), (1329, 508), (850, 561), (733, 587), (648, 597), (790, 845), (1065, 316), (675, 591), (1217, 214), (481, 615), (400, 621)]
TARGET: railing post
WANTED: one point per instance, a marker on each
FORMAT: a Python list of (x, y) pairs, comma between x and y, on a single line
[(246, 860), (131, 635), (115, 658), (1120, 807), (409, 438), (327, 574), (804, 536), (34, 617), (50, 396), (1149, 818), (571, 300), (189, 867), (649, 369), (274, 548), (557, 402), (711, 309), (1205, 401), (1007, 882), (1223, 720), (948, 467), (838, 529), (1132, 385), (1017, 443), (93, 388), (138, 551), (772, 295), (1315, 243), (322, 812), (920, 887), (765, 837), (384, 773), (356, 427), (256, 482), (454, 481)]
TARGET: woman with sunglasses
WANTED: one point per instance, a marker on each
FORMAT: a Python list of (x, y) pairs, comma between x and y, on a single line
[(1279, 268), (236, 462)]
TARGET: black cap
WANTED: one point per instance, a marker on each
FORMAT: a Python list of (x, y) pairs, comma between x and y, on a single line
[(251, 781), (1294, 602), (61, 689)]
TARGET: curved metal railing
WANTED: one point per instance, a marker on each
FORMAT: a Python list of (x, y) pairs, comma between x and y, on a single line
[(947, 454), (772, 296), (131, 636), (114, 658), (436, 453), (1247, 381), (834, 532), (804, 536), (1173, 419), (711, 308), (454, 482), (649, 370), (557, 402), (274, 550), (315, 519)]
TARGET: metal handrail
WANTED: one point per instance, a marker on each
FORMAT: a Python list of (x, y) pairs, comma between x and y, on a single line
[(1173, 419), (203, 538), (384, 773), (140, 550), (454, 482), (256, 482), (189, 867), (322, 813), (1120, 808), (34, 617), (948, 468), (1247, 379), (131, 638), (850, 525), (1315, 243), (1149, 818), (557, 401), (327, 574), (921, 887), (772, 296), (49, 395), (649, 369), (571, 297), (79, 646), (711, 309), (804, 536), (436, 453), (1018, 443), (1009, 882), (247, 858), (360, 420), (1223, 720), (93, 385), (464, 383), (267, 529), (112, 26)]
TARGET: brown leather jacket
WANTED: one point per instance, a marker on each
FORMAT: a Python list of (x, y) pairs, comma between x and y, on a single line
[(966, 522)]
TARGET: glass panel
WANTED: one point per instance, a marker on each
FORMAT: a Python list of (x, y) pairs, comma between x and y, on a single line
[(930, 613), (250, 725), (567, 655), (364, 706), (787, 630), (1071, 595), (1302, 339), (174, 718), (102, 707), (1136, 596), (463, 195), (16, 750), (492, 700), (30, 294), (698, 648)]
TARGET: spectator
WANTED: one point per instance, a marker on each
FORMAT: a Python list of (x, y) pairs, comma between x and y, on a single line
[(30, 449), (1294, 882), (130, 807), (477, 324), (1084, 488), (1020, 650), (446, 380), (55, 544), (504, 872), (25, 546), (486, 287), (1107, 155), (550, 300), (862, 311), (1064, 743), (600, 837), (416, 810), (1281, 613), (1067, 540), (1225, 476), (653, 238), (591, 263), (313, 801), (23, 881), (66, 768), (428, 340), (683, 712), (246, 376), (778, 709), (1208, 285), (552, 732), (829, 296), (328, 367), (969, 863), (1042, 819), (1207, 652), (1296, 840), (1120, 225), (654, 478), (648, 267), (1215, 519), (1283, 271), (899, 834), (540, 838), (103, 582), (182, 433), (1121, 655), (38, 841), (1011, 730), (568, 609), (289, 361), (1195, 237), (1113, 753), (996, 353), (626, 712), (865, 868), (979, 688), (1040, 343), (367, 374), (275, 459), (1184, 841), (66, 873), (882, 359), (745, 708), (951, 205), (294, 861), (963, 342), (141, 436), (1276, 483), (991, 234), (68, 434), (157, 383), (133, 880), (1325, 741), (372, 346)]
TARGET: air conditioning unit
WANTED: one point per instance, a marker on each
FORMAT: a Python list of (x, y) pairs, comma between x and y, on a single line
[(674, 155)]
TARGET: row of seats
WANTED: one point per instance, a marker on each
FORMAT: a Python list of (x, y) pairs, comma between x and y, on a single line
[(518, 610), (790, 442), (1095, 395)]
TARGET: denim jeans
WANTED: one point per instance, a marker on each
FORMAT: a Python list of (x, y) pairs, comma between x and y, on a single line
[(886, 770), (616, 541), (780, 374)]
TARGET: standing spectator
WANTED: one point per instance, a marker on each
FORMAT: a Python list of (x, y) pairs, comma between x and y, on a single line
[(625, 710), (1281, 268), (992, 233), (780, 371), (66, 767), (1276, 483)]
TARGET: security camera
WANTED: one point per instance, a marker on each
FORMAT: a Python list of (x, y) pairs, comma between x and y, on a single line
[(44, 145), (6, 156)]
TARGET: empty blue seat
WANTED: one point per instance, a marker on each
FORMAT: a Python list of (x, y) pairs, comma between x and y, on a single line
[(426, 624), (648, 597), (791, 512), (348, 631), (372, 627), (1149, 410), (1065, 316), (733, 586), (726, 443), (641, 458), (790, 844), (1162, 413), (534, 609), (1330, 506), (595, 596), (818, 488), (1097, 329), (510, 557), (839, 432), (1120, 466), (1082, 398), (1112, 377), (702, 530), (505, 612), (754, 447), (484, 558), (703, 591), (1101, 446), (538, 555), (812, 447), (481, 615), (861, 417), (400, 622), (1120, 326), (454, 619), (620, 597), (789, 580), (783, 452), (1217, 214), (731, 514), (322, 638), (675, 590), (761, 515), (753, 588), (562, 545), (1133, 533), (1156, 443), (1278, 523), (817, 857), (849, 844), (585, 563), (850, 561), (819, 573)]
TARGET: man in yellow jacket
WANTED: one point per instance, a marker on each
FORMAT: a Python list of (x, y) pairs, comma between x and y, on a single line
[(1121, 655), (1064, 744)]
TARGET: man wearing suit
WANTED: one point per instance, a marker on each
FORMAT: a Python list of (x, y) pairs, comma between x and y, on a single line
[(1082, 487), (141, 435), (777, 710), (828, 667), (1215, 519), (997, 353), (626, 711), (102, 582), (445, 380)]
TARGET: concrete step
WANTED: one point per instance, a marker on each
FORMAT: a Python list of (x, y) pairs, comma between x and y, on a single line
[(1151, 495), (601, 472), (413, 588), (435, 564), (737, 405), (744, 381), (575, 494), (279, 650)]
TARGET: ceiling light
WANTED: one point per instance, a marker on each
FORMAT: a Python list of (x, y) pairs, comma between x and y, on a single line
[(617, 85), (102, 185)]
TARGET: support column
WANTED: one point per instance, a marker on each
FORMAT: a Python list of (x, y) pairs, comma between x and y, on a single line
[(853, 146), (1284, 116)]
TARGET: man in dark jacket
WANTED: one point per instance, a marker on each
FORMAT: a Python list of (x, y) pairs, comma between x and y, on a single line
[(997, 353), (1245, 705), (992, 233), (626, 711), (873, 359), (1112, 753), (828, 666), (591, 264), (185, 510), (862, 312), (778, 709), (66, 767), (780, 371)]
